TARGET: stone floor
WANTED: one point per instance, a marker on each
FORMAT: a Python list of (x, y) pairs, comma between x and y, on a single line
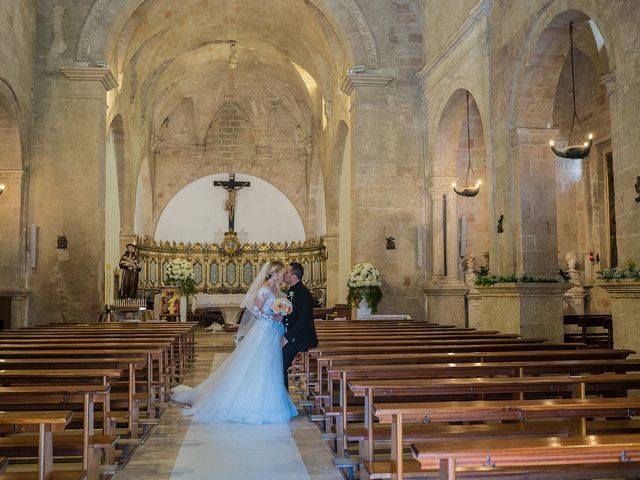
[(155, 459)]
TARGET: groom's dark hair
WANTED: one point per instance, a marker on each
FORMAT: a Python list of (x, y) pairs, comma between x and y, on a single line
[(297, 269)]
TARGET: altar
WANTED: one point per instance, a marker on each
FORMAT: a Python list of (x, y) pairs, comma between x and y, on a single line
[(227, 303)]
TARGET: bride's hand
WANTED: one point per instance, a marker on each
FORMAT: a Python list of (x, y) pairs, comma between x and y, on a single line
[(278, 318)]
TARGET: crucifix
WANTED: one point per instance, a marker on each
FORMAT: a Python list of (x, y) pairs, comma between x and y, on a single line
[(232, 187)]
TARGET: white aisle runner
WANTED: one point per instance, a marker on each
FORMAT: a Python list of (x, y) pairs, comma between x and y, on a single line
[(237, 451)]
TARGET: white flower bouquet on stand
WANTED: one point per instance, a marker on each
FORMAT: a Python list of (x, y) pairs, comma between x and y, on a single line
[(179, 273), (364, 288)]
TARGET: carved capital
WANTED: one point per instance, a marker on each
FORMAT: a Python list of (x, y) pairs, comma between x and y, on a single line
[(368, 86), (91, 74)]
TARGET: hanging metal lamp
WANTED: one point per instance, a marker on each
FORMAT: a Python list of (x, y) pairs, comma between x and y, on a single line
[(469, 189), (573, 151)]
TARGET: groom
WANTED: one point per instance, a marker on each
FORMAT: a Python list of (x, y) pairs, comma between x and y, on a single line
[(300, 332)]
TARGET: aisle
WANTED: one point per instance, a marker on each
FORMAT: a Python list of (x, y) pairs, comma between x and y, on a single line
[(178, 449), (231, 450)]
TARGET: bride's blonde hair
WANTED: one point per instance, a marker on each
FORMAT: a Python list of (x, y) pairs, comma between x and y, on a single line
[(274, 267)]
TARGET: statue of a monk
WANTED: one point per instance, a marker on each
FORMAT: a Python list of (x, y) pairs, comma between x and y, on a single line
[(130, 267)]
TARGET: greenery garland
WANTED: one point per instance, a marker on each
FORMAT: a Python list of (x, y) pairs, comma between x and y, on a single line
[(631, 272)]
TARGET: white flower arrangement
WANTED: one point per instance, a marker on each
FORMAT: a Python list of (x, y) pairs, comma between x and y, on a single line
[(364, 275), (364, 282), (179, 272)]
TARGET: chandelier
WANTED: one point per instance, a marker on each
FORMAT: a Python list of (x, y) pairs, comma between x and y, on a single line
[(469, 189), (573, 151)]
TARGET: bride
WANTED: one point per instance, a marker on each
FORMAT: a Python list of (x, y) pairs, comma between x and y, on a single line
[(248, 386)]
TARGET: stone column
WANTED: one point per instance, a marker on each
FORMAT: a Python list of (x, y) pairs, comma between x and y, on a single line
[(67, 194), (387, 187), (445, 291), (368, 96), (444, 270), (438, 260), (535, 234)]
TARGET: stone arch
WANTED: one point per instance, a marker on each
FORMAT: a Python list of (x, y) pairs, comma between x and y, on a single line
[(10, 130), (115, 178), (117, 136), (317, 199), (535, 117), (106, 15), (201, 209), (546, 40), (338, 225), (231, 134), (448, 164), (143, 221), (13, 201)]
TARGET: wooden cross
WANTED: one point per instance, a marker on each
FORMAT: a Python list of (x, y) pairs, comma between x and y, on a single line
[(231, 186)]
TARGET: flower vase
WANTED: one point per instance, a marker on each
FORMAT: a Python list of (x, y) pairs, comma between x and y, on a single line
[(363, 308), (183, 308)]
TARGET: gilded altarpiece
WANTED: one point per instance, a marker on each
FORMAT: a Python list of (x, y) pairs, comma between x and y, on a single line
[(230, 266)]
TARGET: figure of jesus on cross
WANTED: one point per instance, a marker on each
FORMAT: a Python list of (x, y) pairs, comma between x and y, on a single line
[(232, 187)]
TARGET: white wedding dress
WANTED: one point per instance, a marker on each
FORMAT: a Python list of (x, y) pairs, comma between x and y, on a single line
[(248, 386)]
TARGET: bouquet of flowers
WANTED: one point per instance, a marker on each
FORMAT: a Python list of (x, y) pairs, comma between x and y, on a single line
[(364, 282), (179, 272), (282, 306)]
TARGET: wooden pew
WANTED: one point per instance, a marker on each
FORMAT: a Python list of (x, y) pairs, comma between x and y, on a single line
[(183, 333), (397, 414), (585, 322), (576, 385), (324, 362), (595, 450), (129, 390), (46, 423), (86, 443), (155, 357), (367, 373)]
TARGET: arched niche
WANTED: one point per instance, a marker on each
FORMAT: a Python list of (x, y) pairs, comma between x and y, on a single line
[(13, 210), (460, 225), (262, 213), (555, 198)]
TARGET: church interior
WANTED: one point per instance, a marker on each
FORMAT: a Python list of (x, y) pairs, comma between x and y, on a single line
[(457, 178)]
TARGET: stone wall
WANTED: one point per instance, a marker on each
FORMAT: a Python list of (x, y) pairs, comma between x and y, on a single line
[(291, 122), (387, 166), (68, 171), (511, 49), (259, 145), (17, 30)]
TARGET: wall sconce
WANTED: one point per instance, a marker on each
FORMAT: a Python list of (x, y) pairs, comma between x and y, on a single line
[(62, 242), (594, 257), (2, 187), (499, 227), (391, 243)]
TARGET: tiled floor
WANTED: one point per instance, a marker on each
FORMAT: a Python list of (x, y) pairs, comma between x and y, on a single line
[(155, 459)]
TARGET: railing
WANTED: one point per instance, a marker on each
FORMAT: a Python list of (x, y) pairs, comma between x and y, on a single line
[(230, 267)]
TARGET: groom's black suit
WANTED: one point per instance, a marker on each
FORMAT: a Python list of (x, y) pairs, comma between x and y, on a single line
[(301, 331)]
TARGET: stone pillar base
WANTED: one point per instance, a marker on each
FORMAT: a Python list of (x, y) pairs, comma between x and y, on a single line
[(576, 299), (19, 300), (446, 303), (528, 309), (625, 305)]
